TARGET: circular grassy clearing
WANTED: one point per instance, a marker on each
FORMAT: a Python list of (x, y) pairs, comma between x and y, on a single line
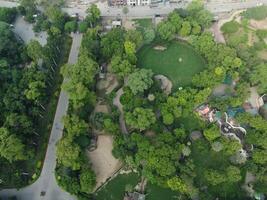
[(179, 62)]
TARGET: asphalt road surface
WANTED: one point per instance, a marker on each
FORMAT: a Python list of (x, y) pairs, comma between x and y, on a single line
[(46, 183), (215, 6)]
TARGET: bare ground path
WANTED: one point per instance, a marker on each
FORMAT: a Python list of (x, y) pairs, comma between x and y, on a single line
[(117, 103), (216, 27), (103, 162)]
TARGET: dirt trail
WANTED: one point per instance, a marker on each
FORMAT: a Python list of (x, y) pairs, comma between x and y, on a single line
[(103, 162), (117, 103), (216, 27)]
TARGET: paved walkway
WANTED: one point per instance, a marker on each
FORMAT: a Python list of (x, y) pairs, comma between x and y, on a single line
[(25, 31), (47, 182)]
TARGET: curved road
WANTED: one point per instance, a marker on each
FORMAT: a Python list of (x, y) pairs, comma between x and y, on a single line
[(46, 183)]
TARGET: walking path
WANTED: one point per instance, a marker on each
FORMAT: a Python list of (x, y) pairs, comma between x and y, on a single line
[(46, 183), (117, 103), (216, 27)]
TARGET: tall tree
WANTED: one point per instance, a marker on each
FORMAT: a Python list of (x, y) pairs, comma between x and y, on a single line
[(34, 50), (11, 147), (140, 80), (93, 15), (69, 153), (140, 118)]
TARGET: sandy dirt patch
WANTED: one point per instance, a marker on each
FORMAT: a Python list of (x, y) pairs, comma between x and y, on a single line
[(263, 54), (103, 162), (166, 84), (159, 48), (261, 24), (128, 24), (254, 97), (108, 84)]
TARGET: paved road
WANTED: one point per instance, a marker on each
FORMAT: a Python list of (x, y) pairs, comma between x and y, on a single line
[(47, 181), (215, 6)]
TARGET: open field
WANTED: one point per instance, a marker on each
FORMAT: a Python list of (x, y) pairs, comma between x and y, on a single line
[(179, 62), (115, 189), (103, 162), (155, 192)]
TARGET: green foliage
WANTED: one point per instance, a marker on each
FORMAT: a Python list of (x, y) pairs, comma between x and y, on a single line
[(260, 156), (175, 20), (10, 48), (257, 13), (68, 153), (140, 80), (56, 17), (129, 48), (166, 30), (87, 180), (7, 15), (81, 76), (135, 37), (230, 27), (159, 156), (212, 133), (34, 50), (70, 26), (233, 174), (112, 43), (258, 77), (121, 67), (11, 147), (230, 147), (28, 8), (261, 33), (177, 184), (149, 35), (214, 177), (74, 126), (140, 118), (125, 10), (83, 26), (197, 11), (93, 15), (186, 29)]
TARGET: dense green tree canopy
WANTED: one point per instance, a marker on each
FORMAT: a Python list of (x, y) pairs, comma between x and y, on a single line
[(140, 80), (140, 118), (11, 146)]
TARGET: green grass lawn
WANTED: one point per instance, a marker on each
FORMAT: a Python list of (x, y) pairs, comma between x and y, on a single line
[(154, 192), (115, 189), (144, 23), (257, 13), (191, 122), (167, 62)]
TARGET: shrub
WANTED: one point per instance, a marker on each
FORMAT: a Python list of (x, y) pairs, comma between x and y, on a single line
[(257, 13), (8, 15), (261, 33), (230, 27), (83, 26)]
